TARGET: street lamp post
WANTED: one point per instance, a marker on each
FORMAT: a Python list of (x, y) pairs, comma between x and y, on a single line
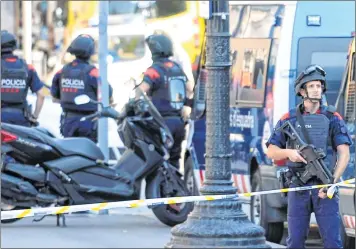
[(220, 224), (104, 86)]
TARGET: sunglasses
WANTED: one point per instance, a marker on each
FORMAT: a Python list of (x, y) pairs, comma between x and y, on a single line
[(311, 69)]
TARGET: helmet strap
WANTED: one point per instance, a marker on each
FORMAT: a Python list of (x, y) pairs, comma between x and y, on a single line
[(311, 99)]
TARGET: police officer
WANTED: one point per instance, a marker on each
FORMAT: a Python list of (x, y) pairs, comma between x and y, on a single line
[(76, 78), (322, 123), (16, 78), (165, 82), (181, 57)]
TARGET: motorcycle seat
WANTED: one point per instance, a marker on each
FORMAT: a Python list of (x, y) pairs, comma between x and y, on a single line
[(78, 146), (66, 146)]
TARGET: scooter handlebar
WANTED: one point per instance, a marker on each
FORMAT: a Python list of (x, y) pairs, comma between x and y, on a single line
[(105, 112), (91, 116)]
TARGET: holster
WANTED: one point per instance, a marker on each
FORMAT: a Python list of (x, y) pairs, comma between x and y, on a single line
[(28, 111), (28, 114), (284, 180)]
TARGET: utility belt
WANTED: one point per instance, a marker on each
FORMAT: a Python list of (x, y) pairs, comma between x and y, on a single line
[(288, 176), (26, 111), (13, 109), (21, 108), (71, 114)]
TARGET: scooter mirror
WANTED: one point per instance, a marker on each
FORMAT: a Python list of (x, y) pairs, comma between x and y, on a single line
[(82, 99)]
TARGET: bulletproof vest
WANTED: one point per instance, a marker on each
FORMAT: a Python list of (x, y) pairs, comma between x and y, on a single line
[(73, 82), (317, 126), (14, 85), (169, 98)]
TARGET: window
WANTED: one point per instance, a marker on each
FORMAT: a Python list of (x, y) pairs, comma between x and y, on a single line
[(330, 54), (253, 21), (123, 48), (248, 72), (122, 7), (166, 8), (323, 58)]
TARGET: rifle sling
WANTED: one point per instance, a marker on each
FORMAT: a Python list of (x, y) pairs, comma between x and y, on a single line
[(302, 125)]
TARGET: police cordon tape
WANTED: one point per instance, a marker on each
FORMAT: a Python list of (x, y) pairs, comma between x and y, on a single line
[(5, 215)]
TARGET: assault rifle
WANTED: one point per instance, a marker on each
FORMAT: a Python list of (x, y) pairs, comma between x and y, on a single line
[(314, 157)]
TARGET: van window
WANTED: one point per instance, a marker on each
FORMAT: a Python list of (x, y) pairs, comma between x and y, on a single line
[(323, 58), (330, 54), (123, 48), (122, 7), (167, 8), (248, 71), (256, 21)]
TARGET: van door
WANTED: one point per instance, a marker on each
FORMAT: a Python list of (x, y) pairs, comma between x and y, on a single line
[(347, 195)]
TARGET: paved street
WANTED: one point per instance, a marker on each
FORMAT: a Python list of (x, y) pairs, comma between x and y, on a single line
[(124, 228), (129, 228)]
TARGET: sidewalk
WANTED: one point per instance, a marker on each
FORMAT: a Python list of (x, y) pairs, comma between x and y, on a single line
[(125, 230), (144, 216)]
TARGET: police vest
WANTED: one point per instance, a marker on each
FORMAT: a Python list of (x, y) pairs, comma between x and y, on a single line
[(73, 82), (317, 126), (14, 85), (170, 97)]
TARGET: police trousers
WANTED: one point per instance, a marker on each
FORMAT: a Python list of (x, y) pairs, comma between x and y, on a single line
[(14, 116), (300, 205), (71, 126), (177, 128)]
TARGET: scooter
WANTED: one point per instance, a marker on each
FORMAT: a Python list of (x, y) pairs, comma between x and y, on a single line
[(52, 172)]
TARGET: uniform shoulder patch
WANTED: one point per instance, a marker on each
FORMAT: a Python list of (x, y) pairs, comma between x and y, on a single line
[(152, 73), (336, 114), (285, 116), (94, 72), (30, 67)]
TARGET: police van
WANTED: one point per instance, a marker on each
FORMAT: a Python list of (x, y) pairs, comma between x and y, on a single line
[(271, 43), (346, 104)]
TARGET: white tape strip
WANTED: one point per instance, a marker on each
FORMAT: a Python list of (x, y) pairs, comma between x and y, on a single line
[(149, 202)]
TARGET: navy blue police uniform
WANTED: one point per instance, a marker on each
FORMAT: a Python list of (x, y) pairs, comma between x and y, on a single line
[(167, 90), (16, 78), (76, 78), (326, 128)]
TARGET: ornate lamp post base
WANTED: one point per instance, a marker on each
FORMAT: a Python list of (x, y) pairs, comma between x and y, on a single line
[(218, 224)]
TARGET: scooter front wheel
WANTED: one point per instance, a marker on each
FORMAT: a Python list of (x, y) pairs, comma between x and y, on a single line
[(161, 187)]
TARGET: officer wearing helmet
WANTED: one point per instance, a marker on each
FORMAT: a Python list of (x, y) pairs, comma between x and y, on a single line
[(324, 128), (181, 57), (76, 78), (16, 78), (165, 82)]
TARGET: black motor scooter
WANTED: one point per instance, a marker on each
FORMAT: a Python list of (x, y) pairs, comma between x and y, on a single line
[(49, 172)]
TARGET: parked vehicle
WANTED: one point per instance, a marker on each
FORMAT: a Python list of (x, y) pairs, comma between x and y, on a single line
[(271, 43), (46, 171)]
